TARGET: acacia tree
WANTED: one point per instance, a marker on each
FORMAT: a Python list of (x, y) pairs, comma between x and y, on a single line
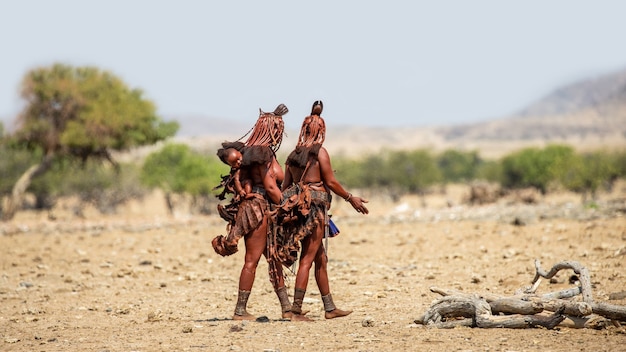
[(80, 112)]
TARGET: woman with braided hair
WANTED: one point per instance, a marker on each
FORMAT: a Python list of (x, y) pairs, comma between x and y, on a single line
[(308, 170), (256, 159)]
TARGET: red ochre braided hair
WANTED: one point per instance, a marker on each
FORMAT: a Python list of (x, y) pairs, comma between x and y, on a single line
[(265, 137), (311, 138), (313, 130), (269, 129)]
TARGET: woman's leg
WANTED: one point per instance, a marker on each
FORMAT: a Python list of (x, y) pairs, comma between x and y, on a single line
[(310, 245), (255, 246), (321, 278), (321, 272)]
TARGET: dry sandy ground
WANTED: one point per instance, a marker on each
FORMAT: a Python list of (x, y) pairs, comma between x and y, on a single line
[(143, 281)]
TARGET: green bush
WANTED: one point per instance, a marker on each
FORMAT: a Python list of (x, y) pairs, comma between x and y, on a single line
[(177, 169), (348, 171), (391, 171), (413, 171), (102, 185), (533, 167), (458, 166), (489, 170), (588, 172)]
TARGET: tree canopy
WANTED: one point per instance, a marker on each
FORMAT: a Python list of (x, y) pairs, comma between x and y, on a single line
[(80, 112), (83, 111)]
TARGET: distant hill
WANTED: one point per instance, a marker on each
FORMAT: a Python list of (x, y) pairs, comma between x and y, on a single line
[(589, 115), (596, 93)]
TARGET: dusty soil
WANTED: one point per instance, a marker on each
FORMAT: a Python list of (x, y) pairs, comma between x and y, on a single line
[(144, 281)]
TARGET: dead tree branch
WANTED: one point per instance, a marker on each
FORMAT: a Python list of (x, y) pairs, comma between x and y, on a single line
[(526, 308), (583, 275)]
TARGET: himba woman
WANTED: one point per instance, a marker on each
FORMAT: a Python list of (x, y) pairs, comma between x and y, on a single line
[(252, 219), (309, 178)]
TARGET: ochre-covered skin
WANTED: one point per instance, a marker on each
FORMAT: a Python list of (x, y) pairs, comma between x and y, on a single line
[(309, 180), (248, 216)]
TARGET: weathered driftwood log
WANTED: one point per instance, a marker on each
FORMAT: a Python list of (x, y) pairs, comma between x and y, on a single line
[(526, 308), (573, 308), (583, 275), (529, 304), (451, 307), (569, 293), (519, 321), (610, 311), (515, 306), (445, 312)]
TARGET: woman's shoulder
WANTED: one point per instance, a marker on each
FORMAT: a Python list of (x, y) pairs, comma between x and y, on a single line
[(322, 153)]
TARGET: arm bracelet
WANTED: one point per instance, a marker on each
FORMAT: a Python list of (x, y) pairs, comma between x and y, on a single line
[(348, 197)]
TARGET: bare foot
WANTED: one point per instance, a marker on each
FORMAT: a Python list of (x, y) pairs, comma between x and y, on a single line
[(299, 317), (246, 316), (336, 313), (289, 314)]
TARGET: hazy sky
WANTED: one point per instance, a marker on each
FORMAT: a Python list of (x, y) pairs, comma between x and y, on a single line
[(387, 63)]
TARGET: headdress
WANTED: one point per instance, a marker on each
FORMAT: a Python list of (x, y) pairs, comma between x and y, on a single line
[(264, 140), (313, 131), (311, 138), (265, 137), (317, 108), (269, 129)]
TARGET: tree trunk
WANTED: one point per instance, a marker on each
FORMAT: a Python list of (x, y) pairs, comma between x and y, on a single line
[(610, 311), (14, 201), (169, 203)]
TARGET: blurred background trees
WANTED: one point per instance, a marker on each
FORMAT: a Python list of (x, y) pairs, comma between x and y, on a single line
[(177, 169), (549, 169), (78, 113), (74, 118)]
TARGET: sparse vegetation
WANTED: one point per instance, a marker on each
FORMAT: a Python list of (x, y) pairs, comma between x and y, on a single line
[(176, 169), (179, 171), (81, 113), (75, 116), (552, 168)]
